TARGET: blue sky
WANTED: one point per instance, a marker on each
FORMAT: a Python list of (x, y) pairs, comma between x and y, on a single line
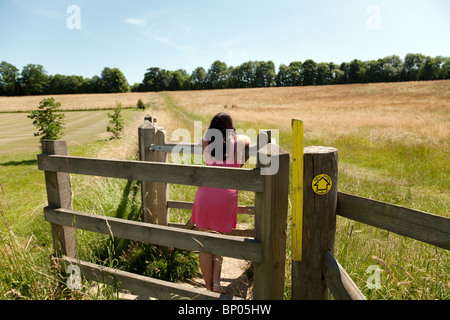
[(134, 35)]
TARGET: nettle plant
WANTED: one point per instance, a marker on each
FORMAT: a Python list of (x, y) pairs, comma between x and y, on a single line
[(47, 119)]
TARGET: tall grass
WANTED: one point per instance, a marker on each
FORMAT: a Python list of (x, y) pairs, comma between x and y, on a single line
[(15, 280), (25, 238), (25, 267)]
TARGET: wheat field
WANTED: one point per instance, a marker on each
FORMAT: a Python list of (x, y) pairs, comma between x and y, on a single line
[(398, 111), (75, 101)]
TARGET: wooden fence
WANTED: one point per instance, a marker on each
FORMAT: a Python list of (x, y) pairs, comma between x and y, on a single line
[(317, 275), (266, 249)]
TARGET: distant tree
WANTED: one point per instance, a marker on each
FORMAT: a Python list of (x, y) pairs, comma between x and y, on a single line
[(444, 72), (34, 79), (47, 120), (430, 68), (96, 85), (183, 78), (162, 80), (176, 81), (374, 71), (113, 81), (337, 75), (217, 75), (57, 84), (9, 79), (148, 84), (323, 74), (293, 74), (75, 83), (345, 68), (356, 71), (198, 78), (61, 84), (411, 66), (392, 68), (309, 72), (243, 76), (264, 74), (156, 79), (136, 87), (281, 77)]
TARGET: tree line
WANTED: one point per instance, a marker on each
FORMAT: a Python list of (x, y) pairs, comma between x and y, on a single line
[(34, 80)]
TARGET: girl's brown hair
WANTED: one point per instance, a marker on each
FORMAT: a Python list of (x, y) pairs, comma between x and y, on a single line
[(222, 122)]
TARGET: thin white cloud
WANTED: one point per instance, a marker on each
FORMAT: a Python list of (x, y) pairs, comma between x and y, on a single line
[(162, 27), (135, 21)]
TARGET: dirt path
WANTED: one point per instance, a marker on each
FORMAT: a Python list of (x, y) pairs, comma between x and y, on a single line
[(235, 278)]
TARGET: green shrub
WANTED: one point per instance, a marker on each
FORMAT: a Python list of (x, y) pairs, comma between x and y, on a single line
[(116, 121), (49, 123), (140, 105)]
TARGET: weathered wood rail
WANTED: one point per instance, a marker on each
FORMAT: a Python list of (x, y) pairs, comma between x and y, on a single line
[(415, 224)]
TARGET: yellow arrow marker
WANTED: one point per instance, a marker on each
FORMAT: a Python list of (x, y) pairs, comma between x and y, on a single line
[(297, 190)]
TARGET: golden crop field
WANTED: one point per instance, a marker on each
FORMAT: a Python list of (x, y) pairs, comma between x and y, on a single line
[(409, 111), (74, 101), (398, 111)]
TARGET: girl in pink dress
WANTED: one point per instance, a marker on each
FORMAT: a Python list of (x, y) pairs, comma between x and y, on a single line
[(216, 209)]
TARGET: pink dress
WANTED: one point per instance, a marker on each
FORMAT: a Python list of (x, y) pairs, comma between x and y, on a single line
[(215, 208)]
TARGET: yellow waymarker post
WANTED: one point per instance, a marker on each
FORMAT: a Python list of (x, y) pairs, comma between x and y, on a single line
[(297, 190)]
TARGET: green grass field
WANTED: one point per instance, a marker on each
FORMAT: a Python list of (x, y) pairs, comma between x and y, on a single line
[(411, 173), (16, 134)]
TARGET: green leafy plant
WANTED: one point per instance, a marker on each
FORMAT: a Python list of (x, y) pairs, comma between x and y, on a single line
[(47, 120), (140, 105), (116, 121)]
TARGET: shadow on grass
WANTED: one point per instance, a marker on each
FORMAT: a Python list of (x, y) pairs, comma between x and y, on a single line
[(32, 162)]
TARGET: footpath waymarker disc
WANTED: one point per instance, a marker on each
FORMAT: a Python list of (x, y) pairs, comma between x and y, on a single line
[(321, 184)]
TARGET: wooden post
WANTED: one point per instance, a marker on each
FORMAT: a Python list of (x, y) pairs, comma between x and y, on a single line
[(162, 191), (59, 195), (271, 208), (319, 222), (262, 140), (147, 133)]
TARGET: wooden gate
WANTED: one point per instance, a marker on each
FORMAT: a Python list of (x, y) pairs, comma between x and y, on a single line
[(266, 249)]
